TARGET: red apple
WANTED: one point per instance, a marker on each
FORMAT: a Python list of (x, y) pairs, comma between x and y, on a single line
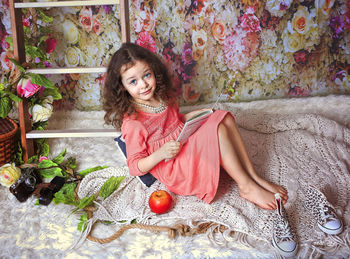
[(160, 201)]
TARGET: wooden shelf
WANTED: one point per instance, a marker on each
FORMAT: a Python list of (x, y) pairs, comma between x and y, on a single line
[(65, 3), (72, 133), (65, 70)]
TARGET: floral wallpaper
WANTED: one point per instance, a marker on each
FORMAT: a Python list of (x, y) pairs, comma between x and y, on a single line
[(235, 50)]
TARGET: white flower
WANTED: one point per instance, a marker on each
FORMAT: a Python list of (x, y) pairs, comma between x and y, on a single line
[(9, 174), (324, 6), (278, 7), (301, 20), (70, 32), (41, 112), (343, 83), (72, 56), (199, 39), (48, 100), (293, 42)]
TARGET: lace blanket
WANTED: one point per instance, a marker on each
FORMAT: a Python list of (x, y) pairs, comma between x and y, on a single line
[(291, 150)]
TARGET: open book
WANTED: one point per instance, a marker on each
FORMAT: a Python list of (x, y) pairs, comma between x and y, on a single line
[(192, 125)]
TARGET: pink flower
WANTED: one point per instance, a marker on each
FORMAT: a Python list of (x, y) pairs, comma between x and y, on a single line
[(96, 25), (218, 29), (43, 158), (240, 48), (50, 44), (26, 88), (26, 22), (249, 22), (148, 21), (85, 19), (146, 40)]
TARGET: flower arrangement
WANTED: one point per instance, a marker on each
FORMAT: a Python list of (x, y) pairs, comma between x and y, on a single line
[(36, 88)]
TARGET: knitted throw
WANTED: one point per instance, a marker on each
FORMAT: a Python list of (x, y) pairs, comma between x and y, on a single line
[(291, 150)]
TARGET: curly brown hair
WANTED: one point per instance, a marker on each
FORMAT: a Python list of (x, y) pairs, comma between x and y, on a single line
[(117, 100)]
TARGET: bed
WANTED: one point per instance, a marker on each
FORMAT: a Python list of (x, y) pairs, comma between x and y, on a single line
[(32, 231)]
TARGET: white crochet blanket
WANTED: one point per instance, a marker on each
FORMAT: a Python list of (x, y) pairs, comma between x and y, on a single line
[(30, 231), (291, 150)]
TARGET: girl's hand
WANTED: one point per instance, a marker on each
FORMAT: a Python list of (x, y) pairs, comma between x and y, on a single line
[(170, 149)]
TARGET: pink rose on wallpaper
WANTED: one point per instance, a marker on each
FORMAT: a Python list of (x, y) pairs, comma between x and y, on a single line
[(26, 88), (50, 44), (149, 21), (187, 56), (218, 29), (85, 19), (249, 22), (96, 25), (240, 48), (146, 40)]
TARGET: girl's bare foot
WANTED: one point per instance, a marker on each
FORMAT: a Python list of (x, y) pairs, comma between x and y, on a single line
[(258, 195), (274, 188)]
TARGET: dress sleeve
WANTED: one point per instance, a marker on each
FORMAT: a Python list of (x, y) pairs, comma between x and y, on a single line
[(135, 136)]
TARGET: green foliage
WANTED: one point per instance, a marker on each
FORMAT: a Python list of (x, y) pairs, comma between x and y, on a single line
[(110, 186), (83, 173), (39, 79), (83, 219), (66, 195), (59, 159), (5, 106)]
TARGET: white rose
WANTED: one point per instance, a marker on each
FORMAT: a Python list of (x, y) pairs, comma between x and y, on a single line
[(9, 174), (48, 99), (199, 39), (293, 42), (324, 6), (72, 56), (70, 32), (41, 112), (301, 20)]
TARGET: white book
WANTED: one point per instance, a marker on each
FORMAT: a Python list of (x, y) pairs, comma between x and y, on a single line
[(192, 125)]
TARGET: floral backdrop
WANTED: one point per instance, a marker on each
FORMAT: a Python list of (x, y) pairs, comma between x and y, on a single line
[(237, 50)]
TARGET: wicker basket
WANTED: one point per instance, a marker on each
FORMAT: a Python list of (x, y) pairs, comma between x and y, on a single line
[(8, 129)]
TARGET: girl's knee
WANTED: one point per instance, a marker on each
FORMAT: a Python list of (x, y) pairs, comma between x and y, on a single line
[(228, 120)]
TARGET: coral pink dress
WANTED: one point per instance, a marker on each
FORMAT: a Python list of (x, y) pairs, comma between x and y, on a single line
[(196, 168)]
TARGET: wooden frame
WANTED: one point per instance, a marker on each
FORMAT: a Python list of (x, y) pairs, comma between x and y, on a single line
[(27, 134)]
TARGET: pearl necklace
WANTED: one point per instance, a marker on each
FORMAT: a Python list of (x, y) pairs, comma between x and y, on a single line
[(158, 109)]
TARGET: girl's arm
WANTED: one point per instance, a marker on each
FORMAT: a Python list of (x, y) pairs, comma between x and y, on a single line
[(168, 151)]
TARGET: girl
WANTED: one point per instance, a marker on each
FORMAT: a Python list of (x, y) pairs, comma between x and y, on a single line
[(138, 99)]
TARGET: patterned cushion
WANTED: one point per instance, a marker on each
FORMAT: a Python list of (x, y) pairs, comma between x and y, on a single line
[(146, 179)]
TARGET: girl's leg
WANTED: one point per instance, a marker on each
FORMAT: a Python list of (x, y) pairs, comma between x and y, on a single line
[(241, 151), (230, 161)]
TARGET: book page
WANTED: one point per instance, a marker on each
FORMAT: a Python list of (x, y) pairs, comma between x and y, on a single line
[(192, 125)]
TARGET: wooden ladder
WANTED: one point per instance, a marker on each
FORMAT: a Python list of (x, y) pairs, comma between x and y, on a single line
[(27, 134)]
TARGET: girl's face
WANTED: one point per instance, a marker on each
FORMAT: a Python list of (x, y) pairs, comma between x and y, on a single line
[(140, 82)]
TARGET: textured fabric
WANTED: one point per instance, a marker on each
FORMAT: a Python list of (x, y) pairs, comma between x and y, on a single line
[(291, 150), (196, 168)]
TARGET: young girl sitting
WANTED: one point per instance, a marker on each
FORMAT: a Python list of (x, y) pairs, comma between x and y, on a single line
[(138, 99)]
